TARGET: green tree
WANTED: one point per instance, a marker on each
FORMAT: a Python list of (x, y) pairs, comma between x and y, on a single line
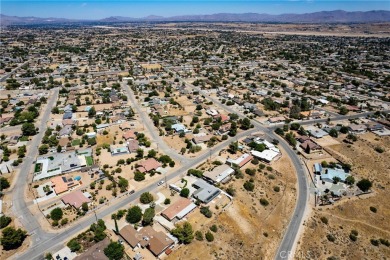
[(84, 206), (91, 112), (184, 233), (333, 132), (350, 180), (199, 235), (43, 149), (364, 185), (249, 186), (28, 129), (4, 183), (343, 110), (56, 214), (4, 221), (74, 245), (12, 238), (209, 236), (139, 176), (123, 184), (134, 215), (114, 251), (146, 198), (185, 192), (148, 216)]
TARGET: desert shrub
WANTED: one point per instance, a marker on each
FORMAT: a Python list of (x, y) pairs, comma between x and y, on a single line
[(214, 228), (373, 209), (199, 235), (331, 237), (264, 202), (324, 220), (276, 188), (209, 236), (374, 242)]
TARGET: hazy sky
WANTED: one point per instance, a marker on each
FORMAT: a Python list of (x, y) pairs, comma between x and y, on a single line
[(95, 9)]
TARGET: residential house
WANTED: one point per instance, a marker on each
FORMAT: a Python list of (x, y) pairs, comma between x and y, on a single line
[(179, 209), (240, 161), (65, 131), (61, 184), (75, 199), (357, 129), (132, 145), (146, 237), (205, 192), (118, 149), (219, 174), (129, 135), (311, 146), (148, 165), (200, 139)]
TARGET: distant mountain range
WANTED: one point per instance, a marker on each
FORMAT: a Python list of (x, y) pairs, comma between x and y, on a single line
[(337, 16)]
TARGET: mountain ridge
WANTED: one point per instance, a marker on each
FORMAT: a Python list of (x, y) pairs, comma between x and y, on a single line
[(336, 16)]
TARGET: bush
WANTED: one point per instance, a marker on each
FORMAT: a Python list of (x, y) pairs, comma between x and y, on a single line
[(198, 236), (56, 214), (73, 245), (4, 221), (209, 236), (264, 202), (324, 220), (114, 251), (230, 190), (352, 237), (4, 183), (64, 222), (146, 198), (379, 149), (134, 215), (364, 185), (384, 242), (214, 228), (184, 233), (139, 176), (373, 209), (12, 238), (331, 237), (185, 192), (167, 201), (374, 242), (276, 188), (206, 212), (249, 186)]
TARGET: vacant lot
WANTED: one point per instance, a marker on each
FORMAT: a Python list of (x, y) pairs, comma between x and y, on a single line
[(355, 214), (246, 229)]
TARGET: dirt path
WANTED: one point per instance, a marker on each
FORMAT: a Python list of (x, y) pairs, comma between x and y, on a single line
[(234, 213), (356, 221)]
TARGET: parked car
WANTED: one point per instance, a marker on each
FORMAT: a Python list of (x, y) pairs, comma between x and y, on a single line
[(160, 183)]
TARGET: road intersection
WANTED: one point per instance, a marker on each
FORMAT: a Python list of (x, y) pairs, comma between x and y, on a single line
[(43, 241)]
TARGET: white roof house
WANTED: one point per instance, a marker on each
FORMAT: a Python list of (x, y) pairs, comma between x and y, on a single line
[(266, 155), (219, 173)]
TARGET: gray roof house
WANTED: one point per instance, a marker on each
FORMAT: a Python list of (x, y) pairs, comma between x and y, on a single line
[(205, 192)]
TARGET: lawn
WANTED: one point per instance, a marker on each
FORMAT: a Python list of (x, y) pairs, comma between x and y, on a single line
[(76, 142), (24, 139), (89, 160)]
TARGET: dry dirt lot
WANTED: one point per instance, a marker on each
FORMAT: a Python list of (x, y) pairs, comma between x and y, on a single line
[(246, 229), (354, 214)]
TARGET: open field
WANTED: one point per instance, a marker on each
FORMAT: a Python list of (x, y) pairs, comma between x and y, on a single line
[(354, 213), (246, 229)]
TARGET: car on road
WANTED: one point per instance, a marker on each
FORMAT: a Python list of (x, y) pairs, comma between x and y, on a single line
[(131, 192), (160, 183)]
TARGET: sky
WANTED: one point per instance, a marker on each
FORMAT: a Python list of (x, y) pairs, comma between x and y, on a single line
[(97, 9)]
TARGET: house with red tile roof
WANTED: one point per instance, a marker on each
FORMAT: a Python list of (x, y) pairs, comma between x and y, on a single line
[(148, 165), (75, 199)]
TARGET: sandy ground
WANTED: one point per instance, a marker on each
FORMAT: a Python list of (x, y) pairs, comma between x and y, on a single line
[(354, 213), (244, 225)]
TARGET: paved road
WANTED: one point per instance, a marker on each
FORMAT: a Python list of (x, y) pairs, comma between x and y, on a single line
[(148, 123), (54, 242), (290, 235), (5, 77), (19, 207)]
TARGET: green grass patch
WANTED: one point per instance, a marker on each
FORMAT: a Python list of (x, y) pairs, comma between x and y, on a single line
[(38, 167), (24, 139), (89, 160), (76, 142)]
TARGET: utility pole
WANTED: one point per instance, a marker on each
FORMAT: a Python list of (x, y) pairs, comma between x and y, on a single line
[(94, 211)]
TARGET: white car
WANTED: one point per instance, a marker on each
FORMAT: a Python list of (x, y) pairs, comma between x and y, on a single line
[(160, 183)]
